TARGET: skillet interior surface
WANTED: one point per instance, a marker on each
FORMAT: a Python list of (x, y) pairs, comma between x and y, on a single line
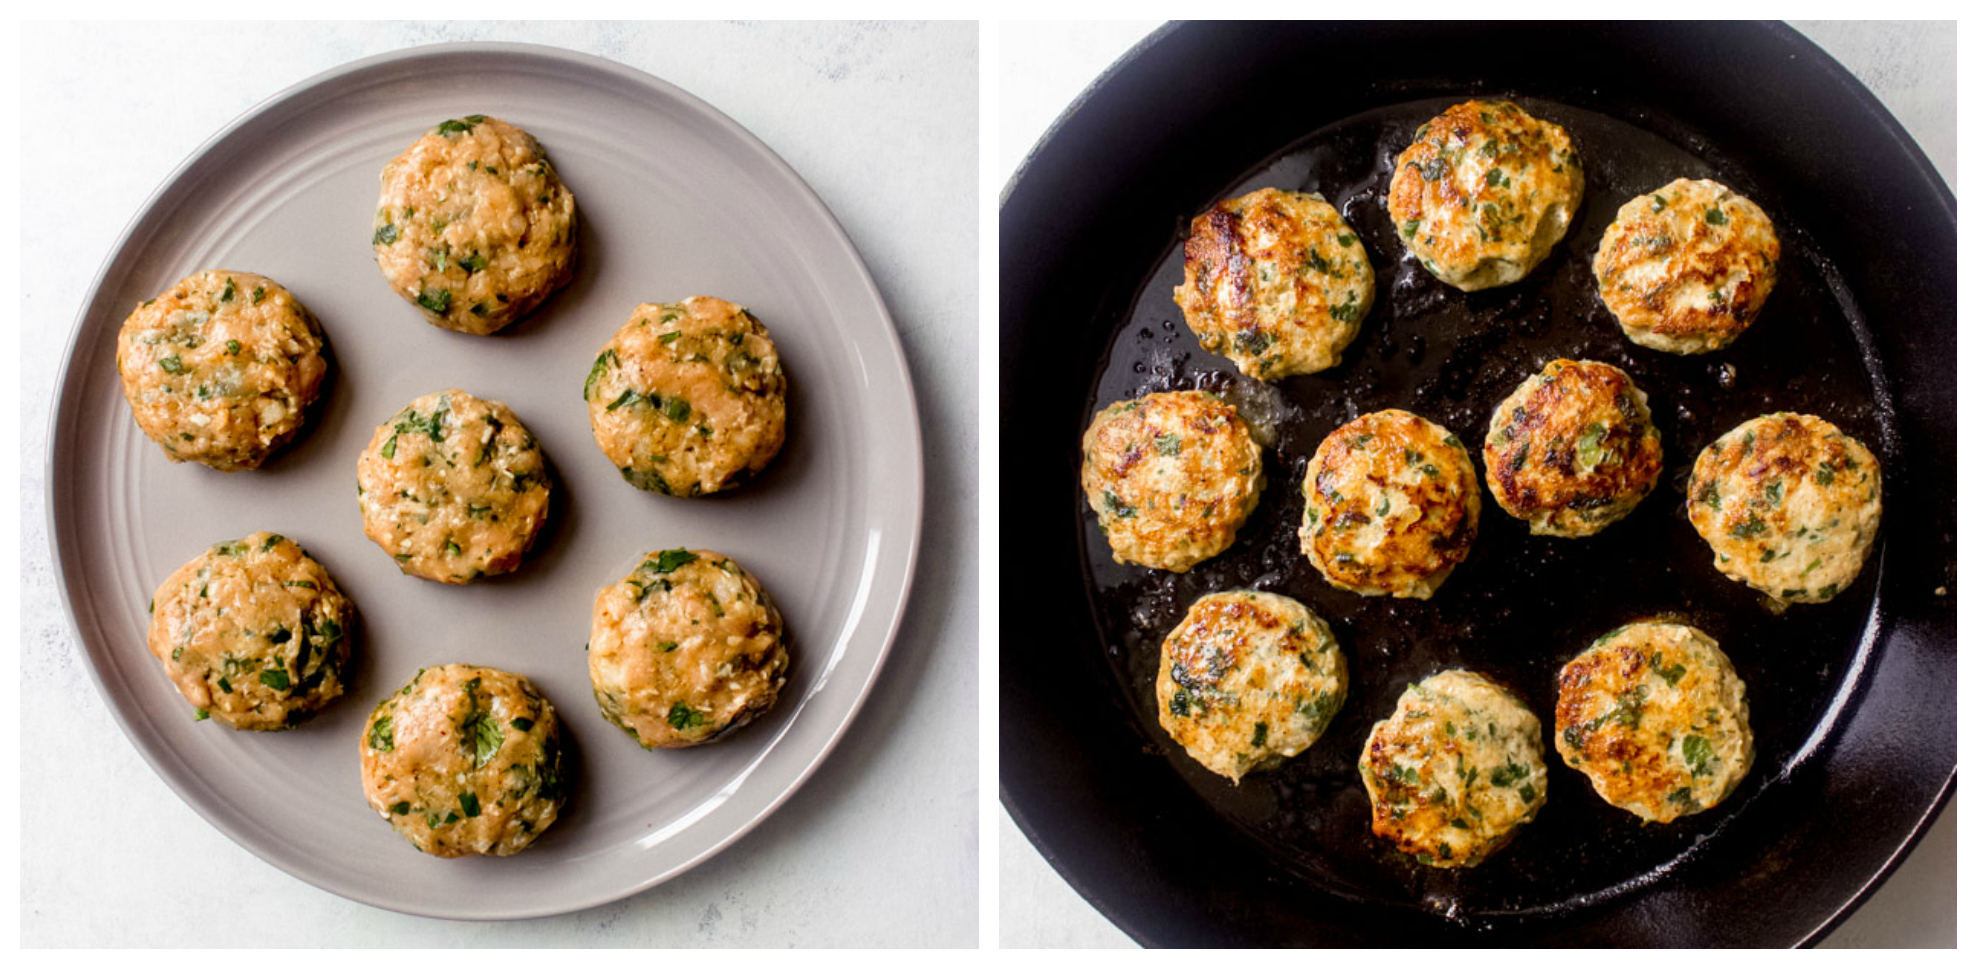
[(1521, 605)]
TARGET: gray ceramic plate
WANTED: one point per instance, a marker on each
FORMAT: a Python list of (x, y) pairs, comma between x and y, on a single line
[(674, 199)]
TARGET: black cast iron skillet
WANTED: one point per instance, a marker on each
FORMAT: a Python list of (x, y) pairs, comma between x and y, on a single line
[(1853, 701)]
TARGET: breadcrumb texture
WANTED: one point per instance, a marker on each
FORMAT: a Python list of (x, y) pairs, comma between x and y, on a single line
[(254, 633), (686, 649), (1276, 281), (222, 368), (1391, 505), (1654, 715), (1484, 192), (1573, 449), (1172, 477), (1686, 267), (1249, 680), (688, 398), (1456, 771), (1789, 504), (453, 488), (465, 760), (474, 226)]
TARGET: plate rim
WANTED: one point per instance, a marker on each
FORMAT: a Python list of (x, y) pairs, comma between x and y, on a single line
[(1114, 910), (68, 386)]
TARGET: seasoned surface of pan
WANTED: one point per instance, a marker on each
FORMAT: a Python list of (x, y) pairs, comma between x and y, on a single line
[(1289, 856)]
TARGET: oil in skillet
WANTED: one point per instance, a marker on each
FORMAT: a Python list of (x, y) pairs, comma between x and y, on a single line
[(1521, 605)]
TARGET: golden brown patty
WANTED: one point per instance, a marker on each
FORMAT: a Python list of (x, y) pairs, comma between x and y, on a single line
[(465, 760), (1573, 449), (221, 368), (1248, 680), (1686, 267), (1456, 771), (687, 398), (1275, 281), (1484, 192), (473, 226), (686, 649), (1172, 477), (453, 487), (253, 633), (1789, 504), (1654, 714), (1390, 505)]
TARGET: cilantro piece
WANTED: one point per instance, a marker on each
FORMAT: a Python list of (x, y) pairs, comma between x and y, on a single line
[(1697, 751), (670, 560), (1673, 674), (683, 717), (436, 300), (484, 732), (1590, 452), (604, 360), (1253, 342)]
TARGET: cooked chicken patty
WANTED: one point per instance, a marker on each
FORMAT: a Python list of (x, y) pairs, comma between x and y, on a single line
[(1789, 504), (686, 649), (1686, 267), (1456, 771), (1248, 680), (1573, 449), (1654, 715), (1172, 477), (1484, 192), (454, 488), (1391, 506), (253, 633), (222, 368), (465, 760), (474, 227), (687, 398), (1275, 281)]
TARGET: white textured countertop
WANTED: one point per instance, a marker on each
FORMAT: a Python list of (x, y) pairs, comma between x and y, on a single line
[(1910, 67), (880, 846)]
